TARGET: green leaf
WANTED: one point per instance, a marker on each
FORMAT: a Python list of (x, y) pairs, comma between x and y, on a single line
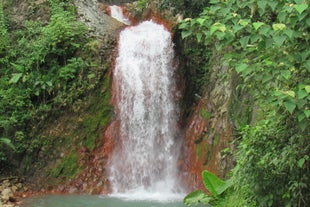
[(262, 5), (301, 117), (307, 65), (185, 34), (290, 106), (302, 94), (257, 25), (301, 8), (241, 67), (183, 25), (282, 16), (289, 33), (307, 88), (15, 77), (266, 78), (286, 74), (222, 188), (211, 182), (199, 36), (244, 22), (278, 27), (301, 162), (303, 125), (308, 21), (279, 40), (49, 83), (214, 1), (237, 28), (214, 9), (298, 1), (7, 142), (265, 30), (307, 113), (217, 27), (197, 197), (291, 93), (244, 41), (201, 20), (273, 5)]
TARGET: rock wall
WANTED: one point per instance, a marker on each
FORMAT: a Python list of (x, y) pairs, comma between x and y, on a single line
[(208, 131)]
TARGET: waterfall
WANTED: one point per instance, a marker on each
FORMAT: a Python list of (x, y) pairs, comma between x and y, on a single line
[(144, 162), (117, 13)]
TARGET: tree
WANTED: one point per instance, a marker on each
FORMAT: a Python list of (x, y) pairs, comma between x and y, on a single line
[(266, 44)]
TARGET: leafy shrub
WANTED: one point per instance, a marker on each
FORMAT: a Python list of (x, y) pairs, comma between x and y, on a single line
[(268, 48), (273, 164), (266, 44), (214, 185), (41, 69), (190, 8)]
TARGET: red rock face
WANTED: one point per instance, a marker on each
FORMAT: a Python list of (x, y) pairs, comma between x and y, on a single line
[(191, 164), (93, 179), (204, 142)]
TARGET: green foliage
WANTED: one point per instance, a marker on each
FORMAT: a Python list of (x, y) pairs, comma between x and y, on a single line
[(7, 142), (67, 168), (195, 68), (188, 7), (234, 199), (266, 44), (270, 156), (269, 43), (142, 4), (205, 114), (213, 184), (197, 197), (96, 118), (43, 68), (4, 39)]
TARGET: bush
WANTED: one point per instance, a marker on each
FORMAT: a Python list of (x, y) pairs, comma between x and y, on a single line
[(273, 164), (41, 69)]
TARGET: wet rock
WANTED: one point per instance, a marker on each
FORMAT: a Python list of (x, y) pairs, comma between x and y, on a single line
[(99, 23), (6, 195), (10, 189)]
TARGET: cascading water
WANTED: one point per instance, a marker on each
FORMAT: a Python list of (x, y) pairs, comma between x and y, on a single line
[(143, 164), (117, 13)]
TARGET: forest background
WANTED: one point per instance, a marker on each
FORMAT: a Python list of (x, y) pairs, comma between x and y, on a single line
[(47, 67)]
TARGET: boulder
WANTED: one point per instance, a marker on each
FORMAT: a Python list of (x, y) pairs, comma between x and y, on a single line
[(6, 195)]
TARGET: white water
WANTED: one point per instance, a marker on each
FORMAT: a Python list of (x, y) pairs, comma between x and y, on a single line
[(144, 164), (117, 13)]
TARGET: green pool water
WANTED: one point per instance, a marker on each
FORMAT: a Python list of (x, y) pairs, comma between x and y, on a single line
[(93, 201)]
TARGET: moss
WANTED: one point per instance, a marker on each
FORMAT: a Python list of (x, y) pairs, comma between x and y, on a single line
[(198, 150), (194, 62), (216, 139), (99, 115), (67, 168), (205, 114)]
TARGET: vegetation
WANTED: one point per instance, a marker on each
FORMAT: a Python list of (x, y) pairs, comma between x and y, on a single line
[(67, 168), (187, 7), (214, 185), (266, 44), (44, 67)]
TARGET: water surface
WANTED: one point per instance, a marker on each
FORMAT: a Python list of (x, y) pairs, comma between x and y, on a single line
[(93, 201)]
